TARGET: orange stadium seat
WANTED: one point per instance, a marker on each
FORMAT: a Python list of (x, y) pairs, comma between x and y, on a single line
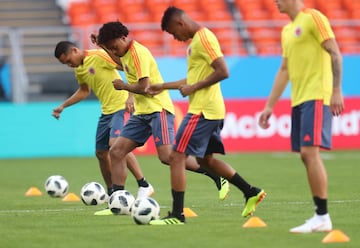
[(270, 5), (153, 40), (187, 5), (80, 14), (218, 15), (156, 8), (106, 11), (132, 10), (79, 7), (351, 4), (232, 46), (212, 5), (175, 48), (102, 3)]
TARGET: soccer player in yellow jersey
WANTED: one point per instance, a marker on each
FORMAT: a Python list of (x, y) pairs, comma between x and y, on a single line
[(313, 64), (154, 115), (199, 132), (95, 71)]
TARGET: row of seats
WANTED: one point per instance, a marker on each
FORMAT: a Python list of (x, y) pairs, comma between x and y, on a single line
[(92, 12), (95, 11), (266, 39), (263, 20), (267, 9)]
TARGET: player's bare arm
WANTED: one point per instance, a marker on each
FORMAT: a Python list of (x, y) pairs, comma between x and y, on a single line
[(80, 94), (119, 84), (155, 89), (221, 72), (336, 101), (138, 88), (280, 82)]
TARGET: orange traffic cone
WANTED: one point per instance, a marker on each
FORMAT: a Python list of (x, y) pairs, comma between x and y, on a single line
[(254, 222), (71, 197), (189, 213), (335, 236), (33, 191)]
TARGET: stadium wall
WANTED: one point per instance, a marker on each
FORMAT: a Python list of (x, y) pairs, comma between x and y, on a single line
[(29, 130)]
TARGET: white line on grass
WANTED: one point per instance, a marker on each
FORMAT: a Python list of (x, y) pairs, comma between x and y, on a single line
[(5, 211), (324, 155), (40, 210), (299, 202)]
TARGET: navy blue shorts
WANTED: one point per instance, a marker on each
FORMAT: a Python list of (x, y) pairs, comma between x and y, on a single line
[(311, 125), (110, 126), (198, 136), (139, 128)]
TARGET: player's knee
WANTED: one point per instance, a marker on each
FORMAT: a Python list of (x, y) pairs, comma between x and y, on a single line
[(308, 155), (164, 159), (114, 152), (165, 162)]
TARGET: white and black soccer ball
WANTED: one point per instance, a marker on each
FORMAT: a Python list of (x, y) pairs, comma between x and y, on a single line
[(93, 193), (144, 210), (56, 186), (120, 202)]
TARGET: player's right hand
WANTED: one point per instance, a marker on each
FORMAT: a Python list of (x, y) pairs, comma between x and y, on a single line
[(57, 111), (264, 118)]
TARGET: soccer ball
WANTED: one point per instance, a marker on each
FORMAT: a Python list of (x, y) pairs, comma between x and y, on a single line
[(56, 186), (93, 193), (120, 202), (144, 210)]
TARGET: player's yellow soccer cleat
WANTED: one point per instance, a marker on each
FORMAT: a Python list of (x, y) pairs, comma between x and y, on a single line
[(105, 211), (252, 202), (225, 188), (168, 220)]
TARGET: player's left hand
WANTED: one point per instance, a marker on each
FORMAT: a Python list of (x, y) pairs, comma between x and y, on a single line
[(129, 105), (337, 103), (118, 84), (186, 90)]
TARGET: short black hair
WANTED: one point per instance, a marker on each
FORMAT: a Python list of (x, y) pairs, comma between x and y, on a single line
[(168, 14), (63, 47), (112, 30)]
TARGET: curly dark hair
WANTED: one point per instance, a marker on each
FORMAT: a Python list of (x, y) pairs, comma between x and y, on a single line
[(63, 47), (168, 15), (112, 30)]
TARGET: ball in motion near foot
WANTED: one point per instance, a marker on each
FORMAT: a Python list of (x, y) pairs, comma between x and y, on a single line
[(120, 202), (145, 210), (93, 193)]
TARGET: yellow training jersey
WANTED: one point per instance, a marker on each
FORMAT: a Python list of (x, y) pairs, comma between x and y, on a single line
[(98, 71), (309, 65), (202, 51), (139, 63)]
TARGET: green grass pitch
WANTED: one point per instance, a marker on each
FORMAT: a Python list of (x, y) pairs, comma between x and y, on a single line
[(42, 221)]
